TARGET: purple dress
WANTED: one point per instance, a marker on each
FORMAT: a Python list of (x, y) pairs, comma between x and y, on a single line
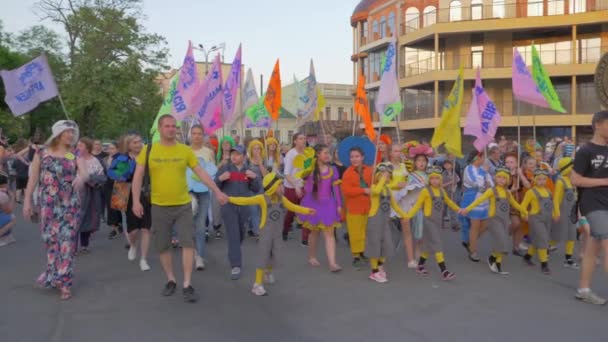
[(326, 201), (59, 213)]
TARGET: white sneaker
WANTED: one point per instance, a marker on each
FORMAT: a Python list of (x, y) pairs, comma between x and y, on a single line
[(523, 246), (412, 264), (132, 254), (258, 290), (269, 278), (378, 277), (200, 263), (7, 240), (143, 265)]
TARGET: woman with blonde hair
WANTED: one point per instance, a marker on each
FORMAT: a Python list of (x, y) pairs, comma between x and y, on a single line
[(256, 158), (273, 154)]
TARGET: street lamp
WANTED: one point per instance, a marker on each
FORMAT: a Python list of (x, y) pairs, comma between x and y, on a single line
[(206, 52)]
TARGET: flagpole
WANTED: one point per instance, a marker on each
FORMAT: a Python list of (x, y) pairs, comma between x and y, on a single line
[(397, 127), (63, 106), (518, 138)]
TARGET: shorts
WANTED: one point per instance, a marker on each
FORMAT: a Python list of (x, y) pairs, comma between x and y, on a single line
[(134, 222), (166, 218), (21, 183), (598, 224), (4, 220)]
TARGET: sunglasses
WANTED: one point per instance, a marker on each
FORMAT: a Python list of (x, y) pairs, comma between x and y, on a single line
[(70, 124), (384, 168)]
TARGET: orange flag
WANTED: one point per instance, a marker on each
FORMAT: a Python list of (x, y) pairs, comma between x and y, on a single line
[(273, 94), (362, 108)]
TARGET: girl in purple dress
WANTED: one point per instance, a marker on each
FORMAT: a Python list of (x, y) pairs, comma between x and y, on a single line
[(322, 193)]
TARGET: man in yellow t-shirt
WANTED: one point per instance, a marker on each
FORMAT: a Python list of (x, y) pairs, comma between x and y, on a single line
[(170, 201)]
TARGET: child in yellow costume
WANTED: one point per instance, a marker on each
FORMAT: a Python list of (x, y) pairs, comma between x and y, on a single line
[(273, 208), (538, 198), (501, 201), (434, 199), (564, 199), (378, 239)]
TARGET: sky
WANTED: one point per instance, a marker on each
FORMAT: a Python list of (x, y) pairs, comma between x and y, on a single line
[(294, 31)]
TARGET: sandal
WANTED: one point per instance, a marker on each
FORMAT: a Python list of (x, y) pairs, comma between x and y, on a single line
[(314, 262), (447, 275), (66, 294), (422, 270), (335, 268)]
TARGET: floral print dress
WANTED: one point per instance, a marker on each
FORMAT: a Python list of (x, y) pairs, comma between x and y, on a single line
[(59, 213)]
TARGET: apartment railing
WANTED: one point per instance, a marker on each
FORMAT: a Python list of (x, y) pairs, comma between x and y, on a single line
[(496, 10)]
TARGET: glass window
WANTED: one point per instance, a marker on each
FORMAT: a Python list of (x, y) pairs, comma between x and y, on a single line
[(455, 11), (412, 19), (590, 50), (477, 56), (498, 8), (535, 8), (248, 133), (476, 10), (327, 113), (341, 114), (233, 132), (262, 133), (577, 6), (430, 16), (391, 24), (382, 27), (375, 29), (556, 7)]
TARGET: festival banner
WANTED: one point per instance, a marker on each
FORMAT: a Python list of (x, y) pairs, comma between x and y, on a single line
[(187, 87), (165, 107), (249, 93), (320, 103), (483, 118), (362, 108), (29, 85), (257, 116), (448, 131), (524, 87), (272, 101), (230, 89), (389, 100), (543, 82), (307, 97), (209, 99)]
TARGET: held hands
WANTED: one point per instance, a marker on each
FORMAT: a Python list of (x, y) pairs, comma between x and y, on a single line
[(221, 197), (312, 211), (524, 216), (224, 176), (463, 212), (556, 218), (366, 191)]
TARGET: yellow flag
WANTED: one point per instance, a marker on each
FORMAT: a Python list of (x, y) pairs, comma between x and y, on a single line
[(320, 104), (448, 131)]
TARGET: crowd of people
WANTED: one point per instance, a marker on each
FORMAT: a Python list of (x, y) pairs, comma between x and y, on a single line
[(531, 200)]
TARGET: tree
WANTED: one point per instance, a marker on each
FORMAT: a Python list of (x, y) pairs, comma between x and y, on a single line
[(111, 63)]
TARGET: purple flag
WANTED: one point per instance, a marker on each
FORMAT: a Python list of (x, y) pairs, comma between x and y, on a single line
[(263, 122), (233, 83), (29, 85), (186, 87), (208, 99), (483, 118), (524, 87)]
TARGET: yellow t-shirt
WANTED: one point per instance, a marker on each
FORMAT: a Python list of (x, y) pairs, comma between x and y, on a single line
[(399, 176), (168, 173)]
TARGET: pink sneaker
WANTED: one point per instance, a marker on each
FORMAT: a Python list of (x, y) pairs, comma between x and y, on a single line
[(382, 271), (378, 277)]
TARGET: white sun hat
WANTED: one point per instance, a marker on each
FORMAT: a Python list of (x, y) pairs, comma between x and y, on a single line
[(62, 126)]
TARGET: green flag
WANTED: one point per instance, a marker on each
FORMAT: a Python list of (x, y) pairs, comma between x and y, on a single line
[(543, 82), (257, 111), (391, 112), (165, 107)]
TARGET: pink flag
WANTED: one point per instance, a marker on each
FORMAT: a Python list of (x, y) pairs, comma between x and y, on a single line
[(524, 87), (233, 83), (187, 87), (483, 118), (208, 99)]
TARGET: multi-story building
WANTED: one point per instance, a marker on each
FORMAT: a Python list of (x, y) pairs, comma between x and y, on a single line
[(436, 36)]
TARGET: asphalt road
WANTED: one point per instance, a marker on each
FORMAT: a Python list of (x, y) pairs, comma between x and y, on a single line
[(114, 301)]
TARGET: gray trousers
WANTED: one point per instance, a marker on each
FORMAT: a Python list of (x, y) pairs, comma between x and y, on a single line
[(234, 218)]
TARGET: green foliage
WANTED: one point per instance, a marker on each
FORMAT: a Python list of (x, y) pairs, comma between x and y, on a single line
[(105, 69)]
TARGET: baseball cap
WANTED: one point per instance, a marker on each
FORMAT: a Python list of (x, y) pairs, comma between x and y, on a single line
[(238, 148)]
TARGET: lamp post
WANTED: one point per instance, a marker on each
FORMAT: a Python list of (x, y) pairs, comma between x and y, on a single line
[(207, 52)]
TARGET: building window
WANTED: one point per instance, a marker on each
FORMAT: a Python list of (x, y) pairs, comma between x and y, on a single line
[(498, 8), (289, 135), (412, 19), (277, 134), (262, 133), (233, 132), (391, 25), (590, 50), (476, 10), (556, 7), (382, 27), (477, 56), (341, 114), (577, 6), (247, 133), (455, 11), (327, 113), (535, 8), (430, 16), (375, 30)]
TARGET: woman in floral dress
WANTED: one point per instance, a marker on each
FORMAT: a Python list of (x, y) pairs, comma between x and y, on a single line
[(54, 170)]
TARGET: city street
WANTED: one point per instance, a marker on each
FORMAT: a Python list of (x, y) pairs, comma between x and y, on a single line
[(114, 301)]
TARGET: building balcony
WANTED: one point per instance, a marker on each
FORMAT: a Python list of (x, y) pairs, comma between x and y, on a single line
[(501, 16), (566, 62)]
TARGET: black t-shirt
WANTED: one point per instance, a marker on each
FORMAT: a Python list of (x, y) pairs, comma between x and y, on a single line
[(591, 162)]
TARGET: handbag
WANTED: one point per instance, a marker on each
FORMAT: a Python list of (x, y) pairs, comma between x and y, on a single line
[(120, 196), (146, 188)]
